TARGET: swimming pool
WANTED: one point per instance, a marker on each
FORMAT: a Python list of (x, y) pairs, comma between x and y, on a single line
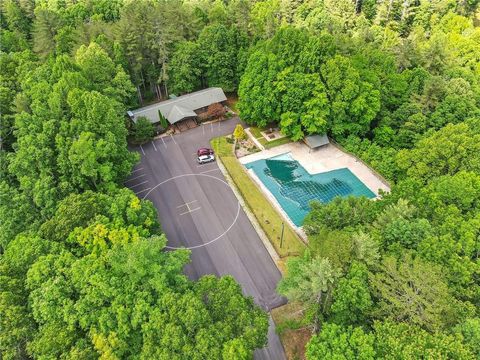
[(294, 188)]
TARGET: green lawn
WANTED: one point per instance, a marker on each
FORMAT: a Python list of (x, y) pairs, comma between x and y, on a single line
[(256, 132), (267, 216), (271, 144)]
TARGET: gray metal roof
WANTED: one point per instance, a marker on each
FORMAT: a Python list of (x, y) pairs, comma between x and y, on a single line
[(180, 107), (314, 141), (178, 113)]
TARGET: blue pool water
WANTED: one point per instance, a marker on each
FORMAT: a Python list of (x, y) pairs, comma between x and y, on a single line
[(294, 188)]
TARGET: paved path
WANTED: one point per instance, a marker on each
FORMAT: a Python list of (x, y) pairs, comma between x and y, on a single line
[(198, 210)]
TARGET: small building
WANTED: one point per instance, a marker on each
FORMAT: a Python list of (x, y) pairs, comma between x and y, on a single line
[(181, 111), (316, 141)]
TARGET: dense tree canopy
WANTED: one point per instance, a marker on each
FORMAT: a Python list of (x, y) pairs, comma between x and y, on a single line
[(83, 271), (387, 341), (72, 135), (409, 260), (132, 300), (83, 268)]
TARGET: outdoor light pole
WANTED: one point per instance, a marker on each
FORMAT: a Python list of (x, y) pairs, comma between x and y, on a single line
[(281, 236)]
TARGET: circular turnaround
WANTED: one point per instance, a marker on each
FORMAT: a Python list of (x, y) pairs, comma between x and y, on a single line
[(216, 238)]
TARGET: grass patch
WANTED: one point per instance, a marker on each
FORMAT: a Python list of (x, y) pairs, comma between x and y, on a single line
[(291, 328), (266, 215), (221, 147), (271, 144), (256, 132)]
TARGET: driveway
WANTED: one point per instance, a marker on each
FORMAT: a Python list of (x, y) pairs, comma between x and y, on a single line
[(199, 211)]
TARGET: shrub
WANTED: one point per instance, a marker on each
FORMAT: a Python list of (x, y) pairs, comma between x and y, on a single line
[(215, 111), (239, 133), (143, 130)]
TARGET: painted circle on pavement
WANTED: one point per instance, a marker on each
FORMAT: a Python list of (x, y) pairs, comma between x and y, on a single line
[(206, 176)]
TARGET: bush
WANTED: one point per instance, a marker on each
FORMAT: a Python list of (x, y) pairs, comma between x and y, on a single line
[(143, 130), (216, 111), (239, 133)]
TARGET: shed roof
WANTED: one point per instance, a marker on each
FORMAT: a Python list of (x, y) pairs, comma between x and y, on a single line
[(314, 141), (180, 107)]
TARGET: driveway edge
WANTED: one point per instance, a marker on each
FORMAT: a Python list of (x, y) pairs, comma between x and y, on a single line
[(253, 220)]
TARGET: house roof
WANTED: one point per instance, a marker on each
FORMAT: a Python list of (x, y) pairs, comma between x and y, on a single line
[(178, 112), (180, 107), (314, 141)]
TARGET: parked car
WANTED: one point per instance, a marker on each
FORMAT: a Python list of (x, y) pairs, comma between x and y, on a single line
[(203, 159), (204, 151)]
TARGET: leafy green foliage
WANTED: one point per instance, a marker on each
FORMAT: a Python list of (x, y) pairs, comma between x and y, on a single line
[(17, 213), (46, 31), (352, 297), (410, 342), (396, 82), (258, 103), (387, 341), (339, 213), (103, 285), (219, 50), (143, 130), (311, 281), (470, 331), (309, 91), (413, 291), (73, 138), (354, 102), (18, 325), (185, 68), (138, 303), (451, 149), (342, 343)]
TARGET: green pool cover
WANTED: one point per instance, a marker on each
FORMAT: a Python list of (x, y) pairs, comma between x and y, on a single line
[(294, 188)]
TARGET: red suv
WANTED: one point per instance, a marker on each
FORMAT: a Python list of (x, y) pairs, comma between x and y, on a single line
[(204, 151)]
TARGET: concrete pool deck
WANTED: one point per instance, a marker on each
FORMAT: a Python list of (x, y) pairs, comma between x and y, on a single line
[(326, 158)]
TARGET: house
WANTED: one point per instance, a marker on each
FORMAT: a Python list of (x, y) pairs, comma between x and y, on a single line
[(181, 111)]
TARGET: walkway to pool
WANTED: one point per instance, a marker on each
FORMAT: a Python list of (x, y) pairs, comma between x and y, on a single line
[(326, 158)]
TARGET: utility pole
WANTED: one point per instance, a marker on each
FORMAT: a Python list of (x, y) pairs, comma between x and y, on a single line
[(281, 236)]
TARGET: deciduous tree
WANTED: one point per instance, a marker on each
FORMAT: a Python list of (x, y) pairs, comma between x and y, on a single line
[(414, 291), (216, 111), (185, 68), (337, 342), (143, 130), (352, 300), (451, 149), (139, 304), (239, 133), (311, 281)]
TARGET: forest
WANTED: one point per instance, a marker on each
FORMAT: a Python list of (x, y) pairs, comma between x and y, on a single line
[(83, 271)]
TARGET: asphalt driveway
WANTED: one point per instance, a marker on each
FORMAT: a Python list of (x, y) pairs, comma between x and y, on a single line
[(198, 210)]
